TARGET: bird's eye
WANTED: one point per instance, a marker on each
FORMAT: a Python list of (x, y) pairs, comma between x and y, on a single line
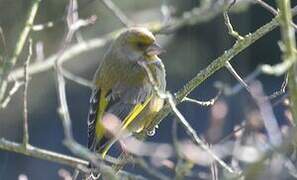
[(140, 45)]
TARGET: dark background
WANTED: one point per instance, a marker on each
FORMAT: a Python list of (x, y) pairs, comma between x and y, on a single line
[(188, 50)]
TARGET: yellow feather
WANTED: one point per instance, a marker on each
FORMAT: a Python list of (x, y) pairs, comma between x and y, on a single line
[(127, 121), (100, 129)]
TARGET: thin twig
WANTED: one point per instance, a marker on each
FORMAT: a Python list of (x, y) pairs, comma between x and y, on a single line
[(190, 131), (237, 77), (25, 112), (267, 114), (230, 28), (117, 12), (203, 103), (214, 170), (189, 18), (77, 79), (272, 10), (215, 66), (228, 136), (40, 27), (150, 170), (282, 89), (277, 69), (12, 91), (267, 7), (43, 154), (289, 51), (3, 40), (9, 64), (231, 31), (69, 141), (183, 166)]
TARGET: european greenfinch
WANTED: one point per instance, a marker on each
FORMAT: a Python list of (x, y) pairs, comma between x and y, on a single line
[(124, 101)]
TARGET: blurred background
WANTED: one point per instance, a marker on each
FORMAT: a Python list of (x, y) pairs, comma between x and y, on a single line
[(188, 50)]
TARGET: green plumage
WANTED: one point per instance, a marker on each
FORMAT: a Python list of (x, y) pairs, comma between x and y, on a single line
[(123, 88)]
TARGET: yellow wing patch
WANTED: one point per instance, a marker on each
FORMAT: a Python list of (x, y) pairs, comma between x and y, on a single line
[(127, 121), (134, 113), (100, 129)]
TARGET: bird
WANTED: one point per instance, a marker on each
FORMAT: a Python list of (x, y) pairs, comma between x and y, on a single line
[(124, 100)]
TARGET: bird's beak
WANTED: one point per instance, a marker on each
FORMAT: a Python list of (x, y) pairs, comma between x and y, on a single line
[(154, 49)]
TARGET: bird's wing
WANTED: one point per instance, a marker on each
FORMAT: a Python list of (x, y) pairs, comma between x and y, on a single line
[(93, 112), (123, 102)]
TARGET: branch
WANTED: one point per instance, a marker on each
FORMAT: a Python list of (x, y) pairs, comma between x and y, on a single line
[(289, 51), (267, 7), (272, 10), (231, 31), (25, 112), (11, 92), (181, 119), (9, 64), (194, 17), (117, 12), (43, 154), (266, 111), (216, 65)]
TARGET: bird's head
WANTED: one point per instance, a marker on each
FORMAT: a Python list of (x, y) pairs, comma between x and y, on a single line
[(137, 43)]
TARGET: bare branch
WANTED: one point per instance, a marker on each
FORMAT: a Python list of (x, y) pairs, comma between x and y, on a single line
[(267, 7), (73, 25), (190, 131), (3, 41), (272, 10), (77, 79), (25, 111), (216, 65), (117, 12), (282, 89), (150, 170), (40, 27), (289, 51), (12, 91), (277, 69), (267, 114), (195, 16), (237, 77), (203, 103), (9, 64), (231, 31), (43, 154)]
